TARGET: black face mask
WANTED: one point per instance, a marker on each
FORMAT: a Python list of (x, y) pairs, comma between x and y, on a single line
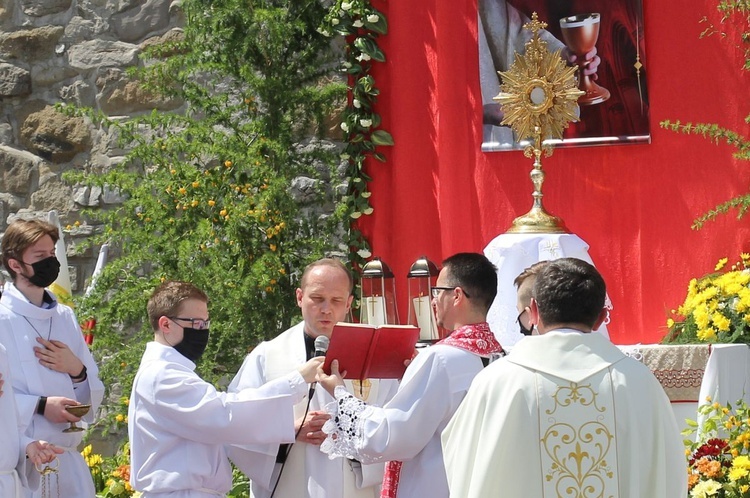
[(524, 330), (193, 343), (45, 271)]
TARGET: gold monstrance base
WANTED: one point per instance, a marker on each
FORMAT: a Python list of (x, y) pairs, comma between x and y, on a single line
[(538, 97), (538, 221)]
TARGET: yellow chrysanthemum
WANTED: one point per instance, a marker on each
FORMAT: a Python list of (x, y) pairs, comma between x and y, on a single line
[(737, 473), (742, 462), (721, 322), (707, 334), (722, 262)]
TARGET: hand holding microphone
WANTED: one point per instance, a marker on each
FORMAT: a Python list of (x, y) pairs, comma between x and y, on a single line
[(309, 369)]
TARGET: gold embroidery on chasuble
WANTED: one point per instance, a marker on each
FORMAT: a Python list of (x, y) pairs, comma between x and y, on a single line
[(577, 428)]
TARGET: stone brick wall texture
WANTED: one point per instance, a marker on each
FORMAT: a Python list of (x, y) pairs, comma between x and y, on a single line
[(75, 52)]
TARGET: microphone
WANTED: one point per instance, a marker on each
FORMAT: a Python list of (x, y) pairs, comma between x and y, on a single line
[(321, 345)]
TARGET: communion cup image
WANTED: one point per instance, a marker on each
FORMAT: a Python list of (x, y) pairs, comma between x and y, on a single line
[(580, 33)]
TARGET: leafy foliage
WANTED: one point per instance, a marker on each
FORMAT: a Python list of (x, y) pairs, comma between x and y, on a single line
[(222, 193), (736, 13)]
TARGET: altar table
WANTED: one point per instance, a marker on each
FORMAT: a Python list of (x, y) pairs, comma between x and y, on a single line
[(694, 372)]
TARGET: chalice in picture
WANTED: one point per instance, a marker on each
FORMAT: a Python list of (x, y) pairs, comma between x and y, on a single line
[(580, 33), (79, 411)]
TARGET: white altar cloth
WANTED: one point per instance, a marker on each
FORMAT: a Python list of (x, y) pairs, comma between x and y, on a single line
[(512, 253)]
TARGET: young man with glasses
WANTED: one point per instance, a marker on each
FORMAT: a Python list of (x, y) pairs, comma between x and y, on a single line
[(51, 366), (406, 431), (178, 424)]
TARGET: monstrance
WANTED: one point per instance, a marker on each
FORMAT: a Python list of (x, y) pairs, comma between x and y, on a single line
[(538, 97)]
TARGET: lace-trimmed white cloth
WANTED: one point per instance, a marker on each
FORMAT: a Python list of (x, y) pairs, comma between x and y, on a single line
[(345, 427)]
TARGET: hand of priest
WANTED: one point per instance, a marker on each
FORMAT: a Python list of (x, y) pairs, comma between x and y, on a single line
[(329, 382), (309, 370), (311, 431), (1, 385)]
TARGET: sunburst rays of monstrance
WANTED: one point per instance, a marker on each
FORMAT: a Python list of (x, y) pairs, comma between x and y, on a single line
[(538, 97)]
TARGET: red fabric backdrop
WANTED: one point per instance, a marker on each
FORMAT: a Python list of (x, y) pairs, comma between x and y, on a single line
[(439, 194)]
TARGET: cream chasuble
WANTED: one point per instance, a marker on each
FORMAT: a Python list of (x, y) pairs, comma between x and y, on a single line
[(565, 415)]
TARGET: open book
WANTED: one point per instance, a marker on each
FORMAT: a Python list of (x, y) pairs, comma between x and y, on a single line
[(369, 351)]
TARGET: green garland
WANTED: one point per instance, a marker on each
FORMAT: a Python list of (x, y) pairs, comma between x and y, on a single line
[(361, 25)]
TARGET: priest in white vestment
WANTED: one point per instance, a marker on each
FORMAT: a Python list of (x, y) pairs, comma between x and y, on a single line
[(301, 470), (50, 364), (566, 413), (179, 424), (16, 470), (406, 431)]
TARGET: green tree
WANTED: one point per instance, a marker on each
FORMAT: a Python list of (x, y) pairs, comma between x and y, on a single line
[(209, 190)]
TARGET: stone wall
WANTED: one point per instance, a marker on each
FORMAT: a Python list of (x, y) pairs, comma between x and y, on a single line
[(76, 52)]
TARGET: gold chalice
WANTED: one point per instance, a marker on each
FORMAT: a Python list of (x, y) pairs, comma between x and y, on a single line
[(79, 411), (580, 33)]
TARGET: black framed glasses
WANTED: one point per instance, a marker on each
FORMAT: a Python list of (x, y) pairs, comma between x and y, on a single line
[(196, 323), (435, 291)]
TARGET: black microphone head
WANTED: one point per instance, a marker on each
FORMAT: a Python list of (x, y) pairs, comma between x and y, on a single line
[(321, 345)]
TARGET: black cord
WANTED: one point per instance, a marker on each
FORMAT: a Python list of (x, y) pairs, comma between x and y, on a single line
[(289, 447)]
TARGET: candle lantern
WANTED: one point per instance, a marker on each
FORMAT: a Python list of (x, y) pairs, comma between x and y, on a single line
[(421, 279), (378, 305)]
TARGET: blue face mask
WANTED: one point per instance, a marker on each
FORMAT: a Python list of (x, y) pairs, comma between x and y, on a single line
[(193, 343)]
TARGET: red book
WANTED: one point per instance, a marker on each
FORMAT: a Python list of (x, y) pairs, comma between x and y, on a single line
[(371, 352)]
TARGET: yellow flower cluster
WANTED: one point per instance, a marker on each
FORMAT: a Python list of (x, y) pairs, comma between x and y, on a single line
[(717, 306)]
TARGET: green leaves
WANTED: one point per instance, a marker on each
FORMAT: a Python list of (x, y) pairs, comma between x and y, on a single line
[(361, 25)]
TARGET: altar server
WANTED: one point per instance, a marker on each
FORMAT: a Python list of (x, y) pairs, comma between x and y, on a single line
[(178, 424), (407, 429), (18, 453), (566, 413), (301, 470), (50, 364)]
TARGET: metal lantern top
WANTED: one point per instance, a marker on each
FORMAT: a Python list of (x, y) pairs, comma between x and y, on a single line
[(423, 267), (376, 269)]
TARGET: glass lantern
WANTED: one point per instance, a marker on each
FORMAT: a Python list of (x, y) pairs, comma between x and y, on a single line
[(378, 305), (421, 279)]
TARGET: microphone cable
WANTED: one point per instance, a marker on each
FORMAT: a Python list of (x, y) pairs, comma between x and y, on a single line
[(321, 346)]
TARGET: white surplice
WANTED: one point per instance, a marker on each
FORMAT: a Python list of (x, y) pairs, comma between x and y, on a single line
[(307, 473), (21, 322), (178, 425), (565, 414), (408, 427), (14, 472)]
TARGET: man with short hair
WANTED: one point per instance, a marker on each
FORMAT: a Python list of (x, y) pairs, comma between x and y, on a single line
[(50, 363), (524, 283), (566, 412), (301, 470), (178, 424), (407, 429)]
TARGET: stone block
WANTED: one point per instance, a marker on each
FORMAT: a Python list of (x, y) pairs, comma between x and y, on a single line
[(39, 8), (55, 136), (95, 54), (145, 18), (14, 81), (17, 171), (31, 44)]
